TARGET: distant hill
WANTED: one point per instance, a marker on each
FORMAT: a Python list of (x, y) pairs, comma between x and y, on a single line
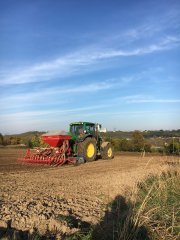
[(162, 133), (22, 138), (113, 134), (147, 134), (117, 134), (26, 135)]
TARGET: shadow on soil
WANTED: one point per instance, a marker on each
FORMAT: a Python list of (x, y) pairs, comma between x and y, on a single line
[(12, 234), (117, 224)]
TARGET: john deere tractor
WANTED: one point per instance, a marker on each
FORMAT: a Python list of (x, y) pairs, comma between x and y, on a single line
[(86, 141), (83, 143)]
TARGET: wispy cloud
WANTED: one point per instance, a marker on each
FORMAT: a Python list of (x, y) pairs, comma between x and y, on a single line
[(78, 62), (32, 114), (154, 101), (147, 99), (111, 104), (21, 99), (152, 28)]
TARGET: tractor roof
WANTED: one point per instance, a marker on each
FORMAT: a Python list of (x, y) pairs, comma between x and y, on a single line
[(76, 123)]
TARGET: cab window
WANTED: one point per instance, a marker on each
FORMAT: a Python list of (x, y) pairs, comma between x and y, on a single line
[(90, 128), (76, 129)]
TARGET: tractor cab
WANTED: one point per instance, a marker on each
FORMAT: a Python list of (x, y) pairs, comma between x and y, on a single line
[(82, 129)]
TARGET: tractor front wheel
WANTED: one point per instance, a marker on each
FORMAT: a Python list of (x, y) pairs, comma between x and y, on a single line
[(87, 149)]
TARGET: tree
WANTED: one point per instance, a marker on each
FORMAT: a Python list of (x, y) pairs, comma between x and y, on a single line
[(13, 140), (173, 147), (6, 140), (138, 141), (147, 147), (29, 143), (1, 139), (116, 143), (43, 144), (35, 141), (126, 145)]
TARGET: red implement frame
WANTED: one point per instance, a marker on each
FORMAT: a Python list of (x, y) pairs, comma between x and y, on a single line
[(58, 154)]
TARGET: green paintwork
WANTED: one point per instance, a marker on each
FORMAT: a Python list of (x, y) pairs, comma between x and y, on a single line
[(81, 130)]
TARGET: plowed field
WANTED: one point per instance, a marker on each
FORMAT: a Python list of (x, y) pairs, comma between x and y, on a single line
[(65, 198)]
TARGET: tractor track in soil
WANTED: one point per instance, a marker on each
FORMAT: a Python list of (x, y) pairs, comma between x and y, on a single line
[(41, 196)]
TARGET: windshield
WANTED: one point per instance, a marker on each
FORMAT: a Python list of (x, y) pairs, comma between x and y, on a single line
[(76, 129)]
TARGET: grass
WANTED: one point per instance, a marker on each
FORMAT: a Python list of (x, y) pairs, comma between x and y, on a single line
[(157, 206), (153, 214)]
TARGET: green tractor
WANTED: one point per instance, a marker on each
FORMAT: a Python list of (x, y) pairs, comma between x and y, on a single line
[(82, 144), (86, 141)]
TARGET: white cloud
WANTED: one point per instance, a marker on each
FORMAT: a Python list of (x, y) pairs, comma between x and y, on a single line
[(89, 110), (148, 99), (80, 61), (32, 114), (154, 101), (41, 94)]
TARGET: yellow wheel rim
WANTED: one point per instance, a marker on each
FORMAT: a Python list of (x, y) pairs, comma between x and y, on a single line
[(109, 153), (90, 150)]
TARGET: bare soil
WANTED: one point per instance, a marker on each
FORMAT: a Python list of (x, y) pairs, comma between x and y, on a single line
[(66, 198)]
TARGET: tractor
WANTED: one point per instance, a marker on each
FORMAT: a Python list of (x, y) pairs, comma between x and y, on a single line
[(82, 143), (88, 143)]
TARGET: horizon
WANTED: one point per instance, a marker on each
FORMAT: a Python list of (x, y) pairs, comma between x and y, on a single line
[(117, 130), (116, 63)]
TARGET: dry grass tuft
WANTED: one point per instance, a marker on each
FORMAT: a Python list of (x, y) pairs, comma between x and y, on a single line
[(157, 205)]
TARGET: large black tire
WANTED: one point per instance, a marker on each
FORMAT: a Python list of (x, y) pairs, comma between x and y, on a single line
[(107, 151), (87, 149)]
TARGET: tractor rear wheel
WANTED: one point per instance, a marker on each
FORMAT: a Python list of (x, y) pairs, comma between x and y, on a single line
[(87, 149), (107, 151)]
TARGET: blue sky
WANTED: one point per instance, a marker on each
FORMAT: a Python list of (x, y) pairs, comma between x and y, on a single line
[(112, 62)]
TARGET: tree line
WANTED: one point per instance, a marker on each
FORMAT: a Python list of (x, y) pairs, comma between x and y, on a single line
[(136, 142), (27, 141)]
